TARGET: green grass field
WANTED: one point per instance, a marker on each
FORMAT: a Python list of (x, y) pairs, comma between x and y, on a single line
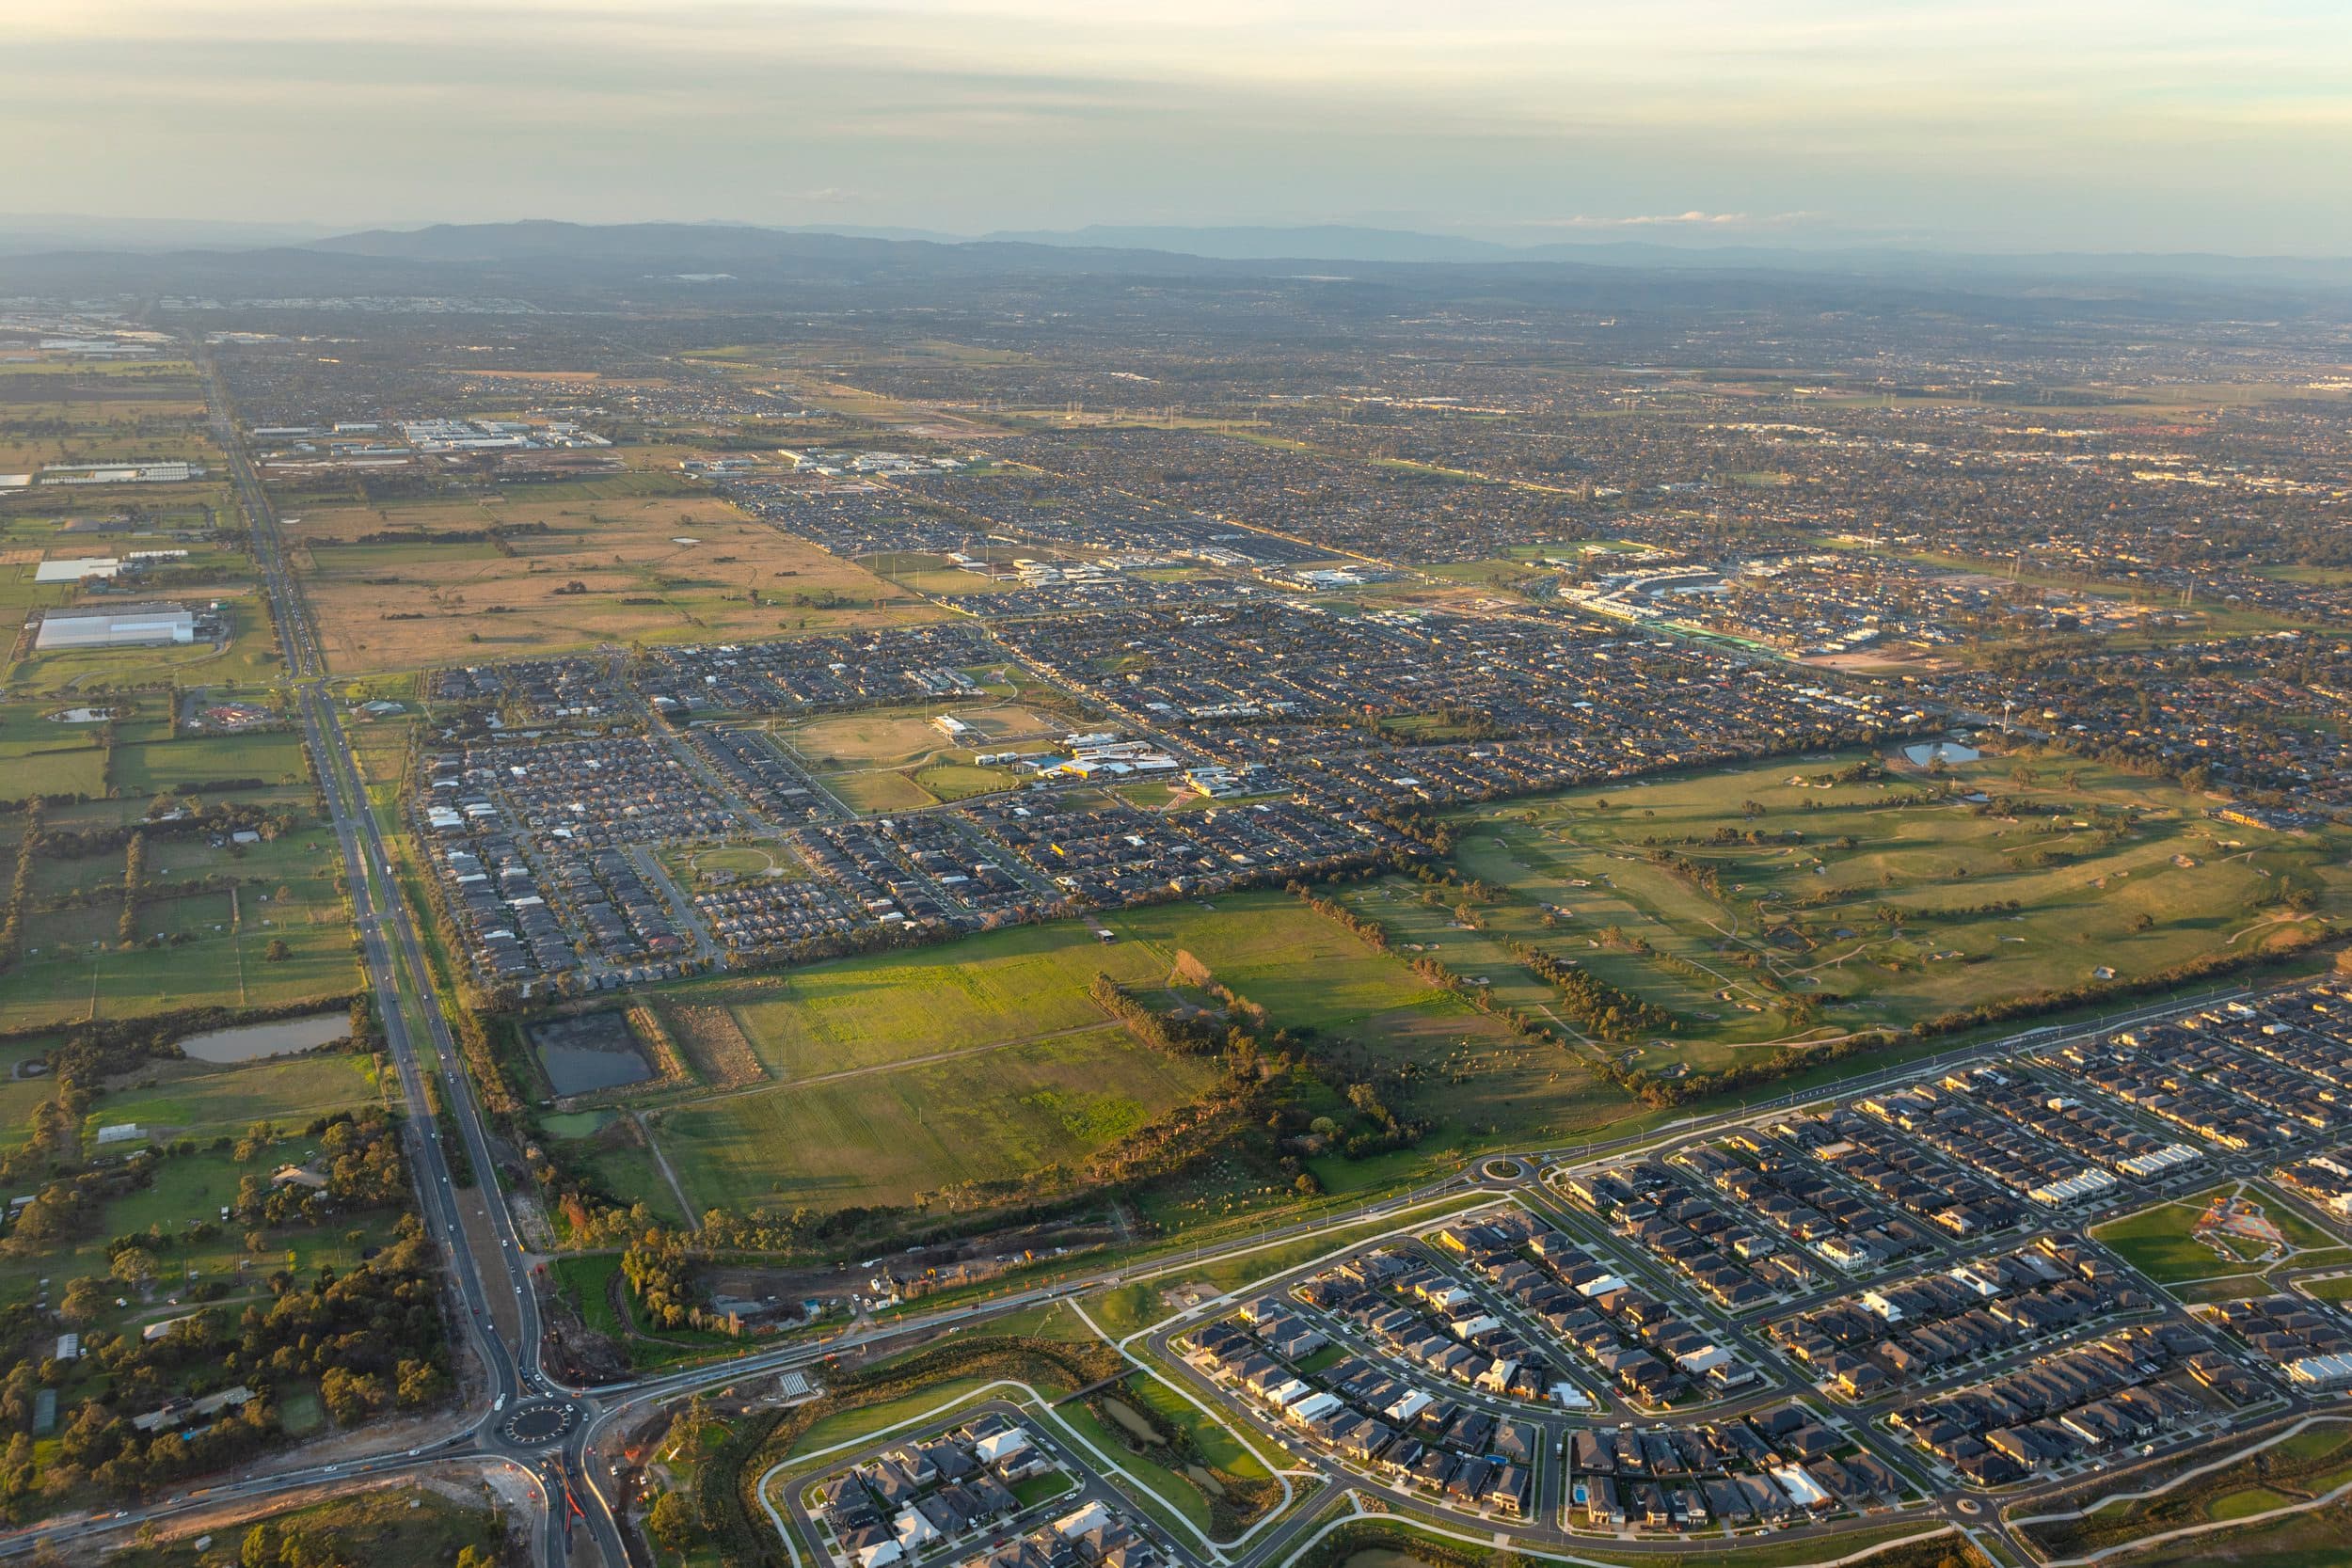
[(199, 1099), (274, 756), (888, 1136), (2159, 1244), (1035, 1073), (2160, 1240)]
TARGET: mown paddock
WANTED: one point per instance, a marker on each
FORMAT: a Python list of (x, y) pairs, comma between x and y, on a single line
[(275, 757), (73, 965)]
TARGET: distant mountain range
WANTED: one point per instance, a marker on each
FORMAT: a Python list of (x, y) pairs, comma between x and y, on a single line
[(694, 242), (742, 266)]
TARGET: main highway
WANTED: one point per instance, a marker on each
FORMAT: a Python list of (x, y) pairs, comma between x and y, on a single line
[(560, 1446)]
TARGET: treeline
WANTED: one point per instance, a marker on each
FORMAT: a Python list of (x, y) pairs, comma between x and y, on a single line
[(1369, 932), (1598, 1008), (1895, 914), (203, 817), (491, 535), (133, 868), (21, 889), (1201, 1035)]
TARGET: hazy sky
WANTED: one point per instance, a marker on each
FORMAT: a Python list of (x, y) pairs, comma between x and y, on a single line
[(2095, 124)]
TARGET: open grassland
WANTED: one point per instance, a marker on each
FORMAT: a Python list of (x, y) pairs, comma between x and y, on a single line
[(62, 410), (1031, 980), (894, 1135), (895, 758), (604, 570), (882, 1008), (1726, 894), (40, 755), (985, 1058), (185, 762), (202, 1100)]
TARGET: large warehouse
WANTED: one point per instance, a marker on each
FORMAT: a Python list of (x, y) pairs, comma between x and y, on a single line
[(118, 625)]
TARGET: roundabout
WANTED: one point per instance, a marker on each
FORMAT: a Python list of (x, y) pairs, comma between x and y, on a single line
[(536, 1425)]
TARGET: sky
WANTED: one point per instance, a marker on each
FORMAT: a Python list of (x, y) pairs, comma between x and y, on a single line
[(2094, 125)]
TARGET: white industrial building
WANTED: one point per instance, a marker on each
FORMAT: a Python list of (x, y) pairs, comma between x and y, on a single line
[(120, 473), (74, 568), (118, 625)]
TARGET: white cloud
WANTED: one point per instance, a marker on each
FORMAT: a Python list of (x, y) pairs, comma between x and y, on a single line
[(2098, 124)]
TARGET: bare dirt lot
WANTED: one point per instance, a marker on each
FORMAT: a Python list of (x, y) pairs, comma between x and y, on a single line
[(409, 584)]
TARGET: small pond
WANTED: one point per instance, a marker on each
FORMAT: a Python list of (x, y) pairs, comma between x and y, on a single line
[(595, 1050), (250, 1043), (1947, 752)]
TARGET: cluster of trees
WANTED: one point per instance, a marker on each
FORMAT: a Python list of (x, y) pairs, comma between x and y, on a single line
[(1422, 827), (657, 1271), (371, 1339), (1706, 878)]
